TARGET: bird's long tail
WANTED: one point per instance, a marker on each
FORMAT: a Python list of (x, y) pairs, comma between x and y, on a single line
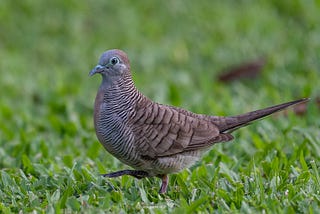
[(229, 124)]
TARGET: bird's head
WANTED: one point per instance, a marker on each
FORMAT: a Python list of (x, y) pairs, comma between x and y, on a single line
[(112, 64)]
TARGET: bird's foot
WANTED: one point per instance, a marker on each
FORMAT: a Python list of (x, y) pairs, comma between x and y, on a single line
[(135, 173), (164, 184)]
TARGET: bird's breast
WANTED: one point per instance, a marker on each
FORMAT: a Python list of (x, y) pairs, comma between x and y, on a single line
[(112, 128)]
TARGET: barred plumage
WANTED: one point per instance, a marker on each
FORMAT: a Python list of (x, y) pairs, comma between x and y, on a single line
[(155, 139)]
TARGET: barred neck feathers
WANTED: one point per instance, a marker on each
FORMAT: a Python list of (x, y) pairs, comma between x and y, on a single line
[(119, 91), (119, 98)]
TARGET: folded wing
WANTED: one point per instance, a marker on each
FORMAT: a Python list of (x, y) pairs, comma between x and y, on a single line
[(162, 130)]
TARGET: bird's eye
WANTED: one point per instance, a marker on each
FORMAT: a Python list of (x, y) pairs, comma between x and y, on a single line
[(114, 60)]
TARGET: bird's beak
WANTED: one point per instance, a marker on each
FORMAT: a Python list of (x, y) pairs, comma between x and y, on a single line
[(97, 69)]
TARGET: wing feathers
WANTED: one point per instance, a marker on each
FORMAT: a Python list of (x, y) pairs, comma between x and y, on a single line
[(168, 131)]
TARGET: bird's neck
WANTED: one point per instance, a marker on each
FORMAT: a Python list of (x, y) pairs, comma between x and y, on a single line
[(115, 86), (118, 94)]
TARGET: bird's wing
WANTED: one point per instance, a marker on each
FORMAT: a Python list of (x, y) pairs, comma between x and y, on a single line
[(161, 130)]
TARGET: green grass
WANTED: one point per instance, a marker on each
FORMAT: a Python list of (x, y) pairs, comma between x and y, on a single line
[(50, 159)]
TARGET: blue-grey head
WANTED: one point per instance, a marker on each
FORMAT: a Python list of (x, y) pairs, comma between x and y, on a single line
[(112, 63)]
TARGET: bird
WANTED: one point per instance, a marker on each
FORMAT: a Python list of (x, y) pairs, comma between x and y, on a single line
[(155, 139)]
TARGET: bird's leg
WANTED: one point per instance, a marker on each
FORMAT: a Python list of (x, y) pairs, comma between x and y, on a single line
[(135, 173), (164, 184)]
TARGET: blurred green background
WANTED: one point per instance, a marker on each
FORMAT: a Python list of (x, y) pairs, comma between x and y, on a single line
[(177, 50)]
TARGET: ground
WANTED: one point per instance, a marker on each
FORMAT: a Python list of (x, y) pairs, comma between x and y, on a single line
[(50, 159)]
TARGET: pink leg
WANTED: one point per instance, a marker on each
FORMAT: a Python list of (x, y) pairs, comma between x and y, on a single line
[(164, 185)]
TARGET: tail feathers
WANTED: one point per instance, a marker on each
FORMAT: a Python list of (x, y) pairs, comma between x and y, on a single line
[(229, 124)]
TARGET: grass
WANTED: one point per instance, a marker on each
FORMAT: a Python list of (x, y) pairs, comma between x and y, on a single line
[(50, 159)]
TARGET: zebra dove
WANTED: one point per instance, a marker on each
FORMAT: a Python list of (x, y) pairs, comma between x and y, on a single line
[(153, 138)]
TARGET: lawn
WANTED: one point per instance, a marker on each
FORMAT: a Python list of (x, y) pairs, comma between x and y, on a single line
[(50, 158)]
